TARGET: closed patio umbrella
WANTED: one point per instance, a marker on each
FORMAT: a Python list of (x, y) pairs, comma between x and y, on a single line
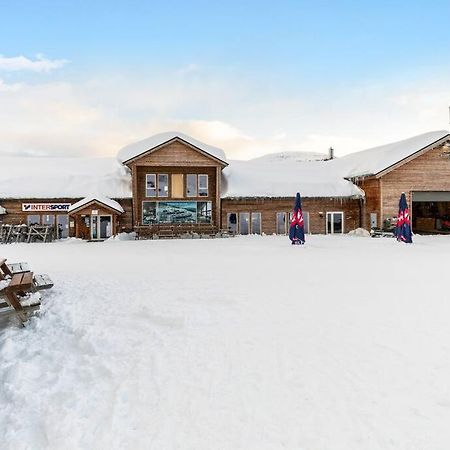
[(403, 229), (296, 229)]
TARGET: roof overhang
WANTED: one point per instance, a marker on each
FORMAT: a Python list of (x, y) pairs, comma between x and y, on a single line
[(174, 139), (416, 154), (93, 202)]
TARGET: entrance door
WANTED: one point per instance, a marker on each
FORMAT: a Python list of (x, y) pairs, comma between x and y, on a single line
[(232, 223), (62, 226), (101, 227), (335, 222), (105, 225)]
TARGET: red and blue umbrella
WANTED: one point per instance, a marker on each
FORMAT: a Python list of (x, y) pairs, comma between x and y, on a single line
[(297, 229), (403, 228)]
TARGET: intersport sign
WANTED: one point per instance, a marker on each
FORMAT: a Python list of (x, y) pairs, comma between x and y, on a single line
[(45, 207)]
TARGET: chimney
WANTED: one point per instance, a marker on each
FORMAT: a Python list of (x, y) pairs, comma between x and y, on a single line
[(330, 153)]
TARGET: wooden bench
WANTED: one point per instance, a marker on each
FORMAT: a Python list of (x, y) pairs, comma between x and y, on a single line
[(4, 269), (22, 282)]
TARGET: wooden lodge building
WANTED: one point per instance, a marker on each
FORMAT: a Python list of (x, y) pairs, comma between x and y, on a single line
[(174, 182)]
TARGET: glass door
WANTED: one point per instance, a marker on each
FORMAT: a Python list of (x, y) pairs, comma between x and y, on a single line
[(94, 227), (105, 227), (335, 222)]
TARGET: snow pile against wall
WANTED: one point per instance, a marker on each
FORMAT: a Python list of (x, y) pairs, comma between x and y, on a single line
[(32, 177), (374, 160), (137, 148), (283, 178)]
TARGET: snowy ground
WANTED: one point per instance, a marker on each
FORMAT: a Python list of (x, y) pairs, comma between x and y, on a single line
[(245, 343)]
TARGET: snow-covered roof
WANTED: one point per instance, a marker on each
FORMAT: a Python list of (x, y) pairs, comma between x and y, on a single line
[(138, 148), (2, 210), (374, 160), (284, 177), (291, 156), (33, 177), (103, 200)]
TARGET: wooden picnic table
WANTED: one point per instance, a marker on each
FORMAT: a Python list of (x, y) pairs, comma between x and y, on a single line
[(22, 282)]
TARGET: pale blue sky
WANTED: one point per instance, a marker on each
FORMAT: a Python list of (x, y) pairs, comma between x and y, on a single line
[(252, 76)]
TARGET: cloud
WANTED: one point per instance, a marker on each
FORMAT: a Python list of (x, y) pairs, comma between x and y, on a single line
[(21, 63), (100, 115), (12, 87)]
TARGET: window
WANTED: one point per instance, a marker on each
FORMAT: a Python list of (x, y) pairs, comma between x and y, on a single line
[(232, 223), (203, 185), (191, 185), (176, 212), (204, 212), (256, 222), (244, 223), (150, 179), (281, 223), (48, 219), (335, 222), (306, 221), (33, 219), (148, 213), (163, 185)]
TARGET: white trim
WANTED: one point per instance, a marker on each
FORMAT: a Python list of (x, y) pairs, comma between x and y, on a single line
[(99, 238), (147, 175), (158, 189), (332, 223), (198, 184), (251, 222), (239, 221), (286, 216)]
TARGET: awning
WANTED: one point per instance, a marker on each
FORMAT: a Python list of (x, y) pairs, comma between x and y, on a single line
[(2, 210)]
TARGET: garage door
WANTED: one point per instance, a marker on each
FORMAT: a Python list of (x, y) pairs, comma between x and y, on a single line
[(431, 196)]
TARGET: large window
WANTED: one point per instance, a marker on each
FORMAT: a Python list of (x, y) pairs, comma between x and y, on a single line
[(163, 185), (244, 223), (256, 222), (197, 185), (150, 180), (281, 223), (335, 222), (176, 212), (157, 185), (232, 223), (191, 185), (203, 185), (204, 212)]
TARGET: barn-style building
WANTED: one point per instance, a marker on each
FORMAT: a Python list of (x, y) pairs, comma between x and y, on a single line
[(172, 183)]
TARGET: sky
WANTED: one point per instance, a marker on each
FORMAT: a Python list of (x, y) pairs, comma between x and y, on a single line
[(252, 77)]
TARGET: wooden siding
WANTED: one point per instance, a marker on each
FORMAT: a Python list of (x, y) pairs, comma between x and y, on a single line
[(316, 207), (175, 154), (175, 158), (428, 172), (15, 215), (372, 200)]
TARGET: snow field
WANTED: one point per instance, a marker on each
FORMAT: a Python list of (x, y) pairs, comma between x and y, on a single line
[(244, 343)]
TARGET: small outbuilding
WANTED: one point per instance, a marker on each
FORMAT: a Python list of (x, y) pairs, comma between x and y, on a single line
[(94, 218)]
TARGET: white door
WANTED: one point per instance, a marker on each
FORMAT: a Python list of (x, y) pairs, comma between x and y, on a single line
[(335, 222), (101, 227), (373, 220)]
